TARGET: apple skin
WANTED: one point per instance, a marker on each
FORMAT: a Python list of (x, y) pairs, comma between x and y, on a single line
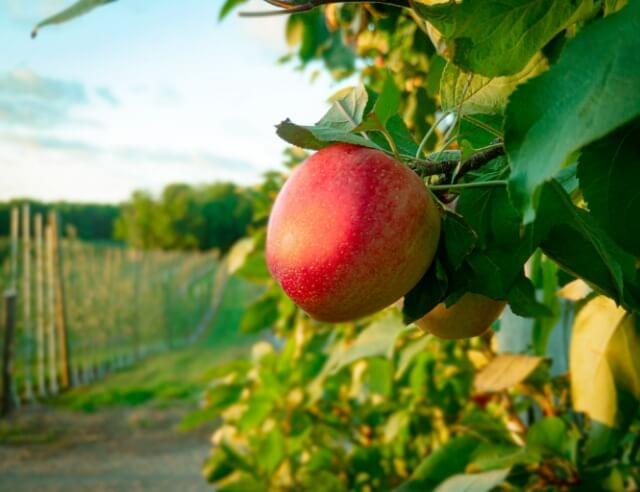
[(351, 232), (471, 316)]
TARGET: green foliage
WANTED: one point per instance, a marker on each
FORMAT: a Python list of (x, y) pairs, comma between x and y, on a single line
[(186, 217), (574, 103), (517, 30)]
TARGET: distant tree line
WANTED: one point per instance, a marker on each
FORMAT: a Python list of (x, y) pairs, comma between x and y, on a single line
[(182, 217), (91, 221), (186, 217)]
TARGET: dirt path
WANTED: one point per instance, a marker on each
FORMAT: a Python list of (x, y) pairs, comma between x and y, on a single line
[(111, 450)]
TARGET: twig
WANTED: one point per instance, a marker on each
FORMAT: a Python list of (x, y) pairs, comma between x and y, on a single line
[(290, 7), (428, 167)]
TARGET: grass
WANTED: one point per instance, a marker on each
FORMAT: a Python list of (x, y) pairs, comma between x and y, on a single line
[(178, 376)]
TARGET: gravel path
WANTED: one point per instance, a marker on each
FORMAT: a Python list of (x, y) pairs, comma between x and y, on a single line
[(111, 450)]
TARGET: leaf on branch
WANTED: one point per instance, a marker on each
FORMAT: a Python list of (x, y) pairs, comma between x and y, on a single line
[(609, 173), (474, 482), (428, 292), (79, 8), (344, 116), (576, 102), (483, 95), (571, 237), (517, 30), (505, 371), (605, 362), (378, 339), (459, 238), (523, 302), (448, 460)]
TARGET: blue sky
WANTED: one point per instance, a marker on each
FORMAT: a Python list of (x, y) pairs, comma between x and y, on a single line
[(141, 93)]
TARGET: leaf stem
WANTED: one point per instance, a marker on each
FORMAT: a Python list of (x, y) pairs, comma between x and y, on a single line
[(423, 142), (482, 125), (476, 184)]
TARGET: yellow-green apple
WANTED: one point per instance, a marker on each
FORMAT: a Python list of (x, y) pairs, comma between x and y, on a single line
[(351, 232), (469, 317)]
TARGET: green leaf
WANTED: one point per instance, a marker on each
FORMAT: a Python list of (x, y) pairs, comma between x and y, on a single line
[(344, 116), (260, 314), (552, 437), (483, 95), (505, 371), (523, 301), (474, 482), (576, 102), (317, 137), (378, 339), (271, 450), (409, 352), (497, 37), (428, 292), (492, 456), (571, 237), (242, 482), (228, 6), (609, 172), (79, 8), (222, 396), (451, 458), (388, 101), (488, 210), (259, 406), (217, 466), (346, 112), (379, 377), (605, 363), (459, 239)]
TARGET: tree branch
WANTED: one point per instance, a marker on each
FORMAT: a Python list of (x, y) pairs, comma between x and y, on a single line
[(291, 7), (427, 167)]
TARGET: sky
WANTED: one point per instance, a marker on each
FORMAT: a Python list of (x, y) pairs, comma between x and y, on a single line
[(140, 93)]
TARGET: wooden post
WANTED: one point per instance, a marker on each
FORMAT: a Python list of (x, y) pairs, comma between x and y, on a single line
[(51, 323), (74, 310), (60, 312), (40, 321), (8, 402), (15, 220), (26, 301), (13, 292)]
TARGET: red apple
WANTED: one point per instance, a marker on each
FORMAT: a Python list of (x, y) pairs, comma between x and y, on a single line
[(351, 232)]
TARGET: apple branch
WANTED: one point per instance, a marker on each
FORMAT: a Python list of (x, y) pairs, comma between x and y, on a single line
[(428, 167), (291, 7)]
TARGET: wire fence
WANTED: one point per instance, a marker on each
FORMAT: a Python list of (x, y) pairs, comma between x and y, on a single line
[(73, 311)]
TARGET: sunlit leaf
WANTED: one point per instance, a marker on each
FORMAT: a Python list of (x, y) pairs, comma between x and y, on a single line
[(477, 94), (474, 482), (574, 103), (497, 37), (505, 371)]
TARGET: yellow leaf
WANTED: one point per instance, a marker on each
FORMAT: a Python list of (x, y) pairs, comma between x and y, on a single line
[(600, 361), (505, 371)]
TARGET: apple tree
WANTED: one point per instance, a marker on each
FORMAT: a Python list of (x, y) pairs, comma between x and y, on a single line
[(521, 118)]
